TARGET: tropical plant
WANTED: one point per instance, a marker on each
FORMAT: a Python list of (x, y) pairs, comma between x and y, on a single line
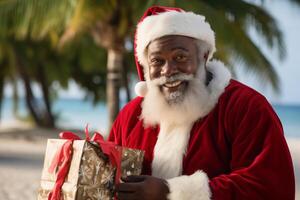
[(36, 62), (111, 25), (231, 21)]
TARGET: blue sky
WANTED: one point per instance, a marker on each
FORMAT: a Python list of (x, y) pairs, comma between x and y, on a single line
[(288, 17)]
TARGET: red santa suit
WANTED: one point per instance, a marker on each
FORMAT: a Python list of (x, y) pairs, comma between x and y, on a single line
[(235, 150)]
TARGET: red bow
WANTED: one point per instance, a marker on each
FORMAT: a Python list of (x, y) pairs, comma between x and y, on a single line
[(63, 157)]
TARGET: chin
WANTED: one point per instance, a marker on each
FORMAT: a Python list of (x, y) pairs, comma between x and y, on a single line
[(163, 106), (175, 96), (184, 106)]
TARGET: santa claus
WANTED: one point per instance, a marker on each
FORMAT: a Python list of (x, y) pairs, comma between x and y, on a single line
[(205, 135)]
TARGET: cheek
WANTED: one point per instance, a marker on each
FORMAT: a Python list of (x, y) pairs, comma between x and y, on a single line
[(194, 66), (190, 68), (154, 72)]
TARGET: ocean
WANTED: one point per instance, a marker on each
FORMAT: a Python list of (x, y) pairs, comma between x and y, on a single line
[(76, 113)]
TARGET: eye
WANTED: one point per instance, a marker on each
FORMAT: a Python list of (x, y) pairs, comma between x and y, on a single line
[(156, 61), (180, 58)]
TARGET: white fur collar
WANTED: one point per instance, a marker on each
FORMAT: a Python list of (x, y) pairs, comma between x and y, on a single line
[(173, 138)]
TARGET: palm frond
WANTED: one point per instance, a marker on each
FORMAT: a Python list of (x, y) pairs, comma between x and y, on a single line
[(234, 43), (242, 49), (249, 15), (34, 18)]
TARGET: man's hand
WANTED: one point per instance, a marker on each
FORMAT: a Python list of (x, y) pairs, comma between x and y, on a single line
[(142, 187)]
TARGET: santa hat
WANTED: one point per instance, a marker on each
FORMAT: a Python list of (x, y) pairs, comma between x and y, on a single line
[(160, 21)]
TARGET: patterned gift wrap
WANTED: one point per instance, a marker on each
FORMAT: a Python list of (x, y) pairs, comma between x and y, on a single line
[(91, 175)]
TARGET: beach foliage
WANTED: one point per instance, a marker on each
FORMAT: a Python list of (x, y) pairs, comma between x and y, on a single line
[(51, 42)]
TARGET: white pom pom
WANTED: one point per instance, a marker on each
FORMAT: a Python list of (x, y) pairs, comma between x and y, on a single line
[(141, 88)]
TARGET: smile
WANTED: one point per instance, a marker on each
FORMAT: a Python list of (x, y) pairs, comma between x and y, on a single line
[(173, 84)]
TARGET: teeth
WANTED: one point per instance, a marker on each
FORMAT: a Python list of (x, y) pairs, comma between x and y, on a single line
[(173, 84)]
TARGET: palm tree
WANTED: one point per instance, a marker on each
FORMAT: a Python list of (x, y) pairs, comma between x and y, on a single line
[(16, 62), (231, 20), (7, 73), (111, 22)]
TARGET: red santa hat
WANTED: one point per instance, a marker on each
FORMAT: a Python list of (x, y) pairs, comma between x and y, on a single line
[(160, 21)]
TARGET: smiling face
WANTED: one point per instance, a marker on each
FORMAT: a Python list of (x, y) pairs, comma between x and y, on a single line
[(174, 60)]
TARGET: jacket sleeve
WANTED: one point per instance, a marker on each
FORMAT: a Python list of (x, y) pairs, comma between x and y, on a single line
[(189, 187), (261, 165)]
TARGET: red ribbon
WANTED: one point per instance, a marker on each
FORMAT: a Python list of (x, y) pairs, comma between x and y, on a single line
[(63, 157)]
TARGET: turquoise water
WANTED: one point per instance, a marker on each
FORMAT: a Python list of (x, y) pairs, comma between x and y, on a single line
[(290, 119), (71, 113), (76, 113)]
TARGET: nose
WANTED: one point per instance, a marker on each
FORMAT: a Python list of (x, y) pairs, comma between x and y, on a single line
[(169, 69)]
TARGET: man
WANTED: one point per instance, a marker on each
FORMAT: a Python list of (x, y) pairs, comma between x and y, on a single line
[(205, 136)]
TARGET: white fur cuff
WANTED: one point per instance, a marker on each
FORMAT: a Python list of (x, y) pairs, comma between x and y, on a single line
[(193, 187)]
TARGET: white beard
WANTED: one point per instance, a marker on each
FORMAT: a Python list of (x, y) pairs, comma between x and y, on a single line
[(176, 120), (194, 103)]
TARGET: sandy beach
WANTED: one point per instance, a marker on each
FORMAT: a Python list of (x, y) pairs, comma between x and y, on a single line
[(21, 159)]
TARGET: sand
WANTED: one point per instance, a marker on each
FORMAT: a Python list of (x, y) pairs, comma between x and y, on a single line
[(21, 160)]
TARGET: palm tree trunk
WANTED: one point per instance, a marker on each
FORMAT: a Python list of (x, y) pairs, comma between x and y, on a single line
[(30, 100), (114, 67), (126, 82), (1, 93), (15, 96), (49, 119)]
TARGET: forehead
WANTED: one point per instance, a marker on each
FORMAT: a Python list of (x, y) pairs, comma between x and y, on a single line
[(172, 42)]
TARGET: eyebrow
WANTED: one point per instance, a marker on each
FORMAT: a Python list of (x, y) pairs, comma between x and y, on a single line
[(174, 48), (155, 53), (180, 48)]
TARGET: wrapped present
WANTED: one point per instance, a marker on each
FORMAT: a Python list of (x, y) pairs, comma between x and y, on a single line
[(77, 169)]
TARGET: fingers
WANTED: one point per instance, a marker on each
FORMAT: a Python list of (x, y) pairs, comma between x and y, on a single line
[(127, 196), (128, 191), (127, 187), (134, 178)]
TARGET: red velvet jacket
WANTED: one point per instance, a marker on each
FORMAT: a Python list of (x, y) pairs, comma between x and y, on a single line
[(239, 144)]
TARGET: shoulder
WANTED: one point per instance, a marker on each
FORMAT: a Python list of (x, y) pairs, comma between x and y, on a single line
[(132, 108), (237, 88), (130, 113), (125, 121), (241, 95), (240, 101), (242, 105)]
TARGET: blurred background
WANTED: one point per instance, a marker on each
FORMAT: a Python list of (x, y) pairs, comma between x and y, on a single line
[(65, 64)]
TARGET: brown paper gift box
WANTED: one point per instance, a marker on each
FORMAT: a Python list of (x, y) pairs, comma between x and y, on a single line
[(91, 175)]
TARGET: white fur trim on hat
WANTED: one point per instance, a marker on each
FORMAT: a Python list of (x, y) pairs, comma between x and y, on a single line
[(172, 23), (193, 187), (141, 88)]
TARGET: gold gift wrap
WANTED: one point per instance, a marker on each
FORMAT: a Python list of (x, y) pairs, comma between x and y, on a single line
[(91, 175)]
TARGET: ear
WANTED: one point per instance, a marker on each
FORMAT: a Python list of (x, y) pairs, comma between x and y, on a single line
[(206, 56), (209, 75)]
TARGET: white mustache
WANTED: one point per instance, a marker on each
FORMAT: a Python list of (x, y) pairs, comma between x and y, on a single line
[(177, 77)]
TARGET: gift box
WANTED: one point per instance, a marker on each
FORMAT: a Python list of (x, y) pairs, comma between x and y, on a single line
[(77, 169)]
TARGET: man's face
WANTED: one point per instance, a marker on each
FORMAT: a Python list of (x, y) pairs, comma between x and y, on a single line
[(172, 57)]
